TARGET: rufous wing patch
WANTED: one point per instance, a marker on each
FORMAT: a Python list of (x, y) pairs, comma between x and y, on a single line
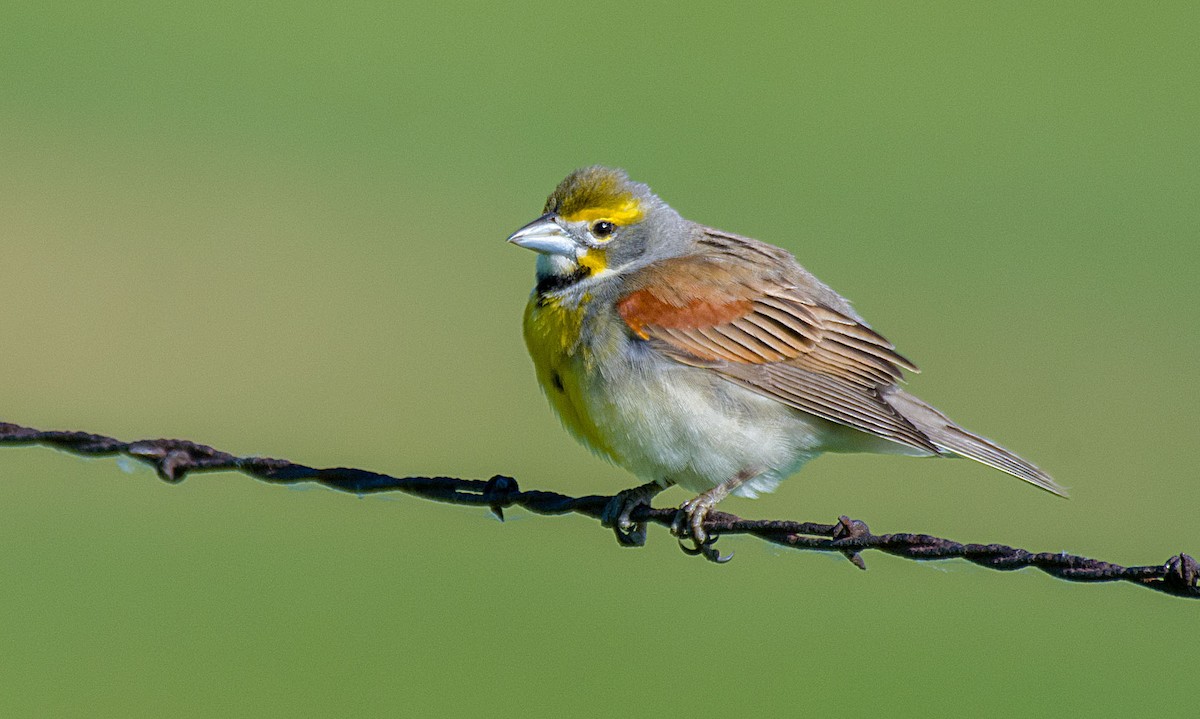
[(736, 312), (644, 308)]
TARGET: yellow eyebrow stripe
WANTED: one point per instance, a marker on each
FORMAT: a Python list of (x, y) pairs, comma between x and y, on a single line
[(623, 214)]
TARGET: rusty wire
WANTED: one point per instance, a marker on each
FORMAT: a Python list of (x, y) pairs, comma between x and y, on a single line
[(173, 459)]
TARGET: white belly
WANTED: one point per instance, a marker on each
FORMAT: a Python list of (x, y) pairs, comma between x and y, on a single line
[(667, 422)]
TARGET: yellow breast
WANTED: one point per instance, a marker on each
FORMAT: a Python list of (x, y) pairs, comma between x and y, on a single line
[(565, 368)]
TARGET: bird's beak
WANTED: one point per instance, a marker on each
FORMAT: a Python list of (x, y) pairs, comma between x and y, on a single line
[(546, 236)]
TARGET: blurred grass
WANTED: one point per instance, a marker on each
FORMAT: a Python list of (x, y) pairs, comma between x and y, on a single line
[(278, 229)]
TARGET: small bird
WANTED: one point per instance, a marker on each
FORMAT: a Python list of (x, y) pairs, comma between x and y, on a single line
[(693, 356)]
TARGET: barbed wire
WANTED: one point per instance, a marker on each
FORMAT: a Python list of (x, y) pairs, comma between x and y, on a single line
[(174, 459)]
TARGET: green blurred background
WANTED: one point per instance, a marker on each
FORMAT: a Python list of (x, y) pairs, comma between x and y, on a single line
[(278, 228)]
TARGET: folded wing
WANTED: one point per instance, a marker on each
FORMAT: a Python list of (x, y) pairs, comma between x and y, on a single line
[(767, 331), (747, 311)]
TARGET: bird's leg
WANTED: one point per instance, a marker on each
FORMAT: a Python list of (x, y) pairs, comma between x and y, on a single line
[(618, 513), (689, 520)]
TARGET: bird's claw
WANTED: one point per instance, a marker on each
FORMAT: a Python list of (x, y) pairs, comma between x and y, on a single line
[(688, 526), (689, 520), (704, 549), (618, 514)]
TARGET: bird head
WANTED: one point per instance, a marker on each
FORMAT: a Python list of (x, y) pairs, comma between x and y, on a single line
[(598, 223)]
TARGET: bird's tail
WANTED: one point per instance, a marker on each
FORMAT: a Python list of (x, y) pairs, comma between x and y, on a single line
[(952, 439)]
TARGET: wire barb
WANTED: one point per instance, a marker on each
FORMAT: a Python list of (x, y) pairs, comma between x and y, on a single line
[(174, 459)]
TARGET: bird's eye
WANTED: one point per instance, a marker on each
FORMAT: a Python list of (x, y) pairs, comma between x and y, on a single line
[(603, 228)]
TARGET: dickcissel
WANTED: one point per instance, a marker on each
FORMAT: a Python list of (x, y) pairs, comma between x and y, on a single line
[(693, 356)]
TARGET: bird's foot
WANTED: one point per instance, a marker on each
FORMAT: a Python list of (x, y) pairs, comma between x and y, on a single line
[(688, 527), (618, 514)]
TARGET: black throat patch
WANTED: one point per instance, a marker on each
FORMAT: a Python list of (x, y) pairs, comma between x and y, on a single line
[(554, 283)]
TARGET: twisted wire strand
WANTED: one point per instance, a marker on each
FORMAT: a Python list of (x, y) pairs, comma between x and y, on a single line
[(174, 459)]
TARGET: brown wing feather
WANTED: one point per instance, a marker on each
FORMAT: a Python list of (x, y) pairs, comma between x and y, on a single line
[(768, 325)]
